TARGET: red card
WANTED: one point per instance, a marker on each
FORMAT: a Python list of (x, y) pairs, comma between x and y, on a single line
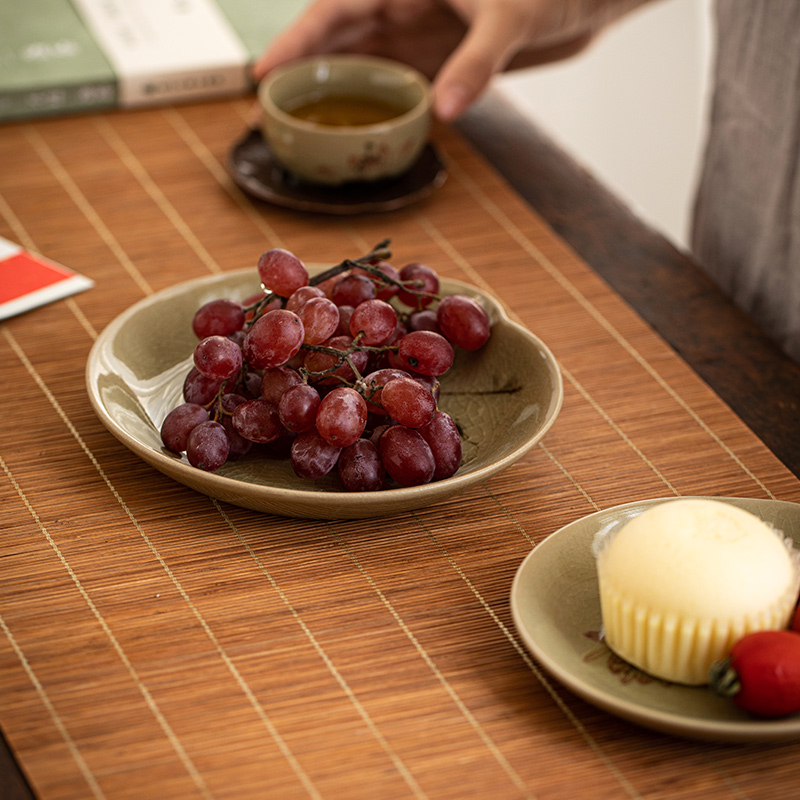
[(28, 280)]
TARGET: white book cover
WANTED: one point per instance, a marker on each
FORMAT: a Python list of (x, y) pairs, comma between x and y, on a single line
[(164, 50)]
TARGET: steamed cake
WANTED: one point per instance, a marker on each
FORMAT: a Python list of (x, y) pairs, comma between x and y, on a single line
[(681, 582)]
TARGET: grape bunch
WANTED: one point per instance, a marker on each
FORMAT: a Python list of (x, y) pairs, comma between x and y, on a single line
[(336, 372)]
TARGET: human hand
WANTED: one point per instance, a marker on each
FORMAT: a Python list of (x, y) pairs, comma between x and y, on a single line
[(458, 44)]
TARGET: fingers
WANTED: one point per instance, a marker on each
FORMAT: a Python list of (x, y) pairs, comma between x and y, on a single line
[(299, 39), (314, 31), (493, 39), (482, 38)]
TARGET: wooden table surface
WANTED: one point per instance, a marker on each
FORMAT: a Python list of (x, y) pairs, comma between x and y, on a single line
[(156, 643)]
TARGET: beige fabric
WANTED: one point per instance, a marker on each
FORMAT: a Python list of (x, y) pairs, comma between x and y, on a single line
[(747, 215)]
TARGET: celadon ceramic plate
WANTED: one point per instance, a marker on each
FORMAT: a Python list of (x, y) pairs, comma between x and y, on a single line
[(503, 397), (555, 604)]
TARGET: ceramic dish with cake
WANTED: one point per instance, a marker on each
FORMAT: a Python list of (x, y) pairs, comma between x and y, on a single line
[(630, 607), (684, 581)]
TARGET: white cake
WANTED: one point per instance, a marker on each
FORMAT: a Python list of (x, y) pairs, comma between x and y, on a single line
[(681, 582)]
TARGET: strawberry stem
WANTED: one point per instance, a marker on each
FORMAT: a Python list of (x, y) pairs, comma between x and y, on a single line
[(724, 679)]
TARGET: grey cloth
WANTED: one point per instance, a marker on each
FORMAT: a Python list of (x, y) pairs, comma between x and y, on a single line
[(746, 226)]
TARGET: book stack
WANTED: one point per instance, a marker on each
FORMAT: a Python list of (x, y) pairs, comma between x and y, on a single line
[(69, 56)]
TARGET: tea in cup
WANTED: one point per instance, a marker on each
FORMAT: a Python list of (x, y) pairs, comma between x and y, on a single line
[(341, 118)]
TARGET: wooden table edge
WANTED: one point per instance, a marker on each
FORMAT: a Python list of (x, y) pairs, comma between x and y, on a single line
[(13, 783), (663, 285)]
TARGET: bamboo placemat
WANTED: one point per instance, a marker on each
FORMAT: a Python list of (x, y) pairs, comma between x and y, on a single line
[(156, 643)]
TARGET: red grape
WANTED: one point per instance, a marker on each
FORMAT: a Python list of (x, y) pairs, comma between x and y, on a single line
[(421, 284), (281, 272), (179, 423), (327, 285), (360, 467), (230, 400), (251, 385), (386, 289), (276, 381), (297, 408), (341, 416), (207, 447), (406, 456), (444, 440), (218, 317), (284, 369), (311, 456), (463, 321), (425, 352), (425, 320), (302, 295), (408, 402), (400, 330), (352, 290), (374, 383), (345, 313), (273, 339), (375, 319), (430, 382), (199, 389), (320, 318), (378, 432), (257, 420), (237, 337), (239, 446), (217, 357)]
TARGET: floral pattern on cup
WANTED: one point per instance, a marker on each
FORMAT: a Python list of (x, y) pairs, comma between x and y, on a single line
[(372, 157)]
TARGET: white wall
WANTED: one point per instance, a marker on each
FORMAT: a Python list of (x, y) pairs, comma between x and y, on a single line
[(632, 108)]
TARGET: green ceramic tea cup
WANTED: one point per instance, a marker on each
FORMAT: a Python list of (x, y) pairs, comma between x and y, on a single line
[(337, 119)]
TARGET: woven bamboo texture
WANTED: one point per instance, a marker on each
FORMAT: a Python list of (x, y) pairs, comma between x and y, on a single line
[(155, 643)]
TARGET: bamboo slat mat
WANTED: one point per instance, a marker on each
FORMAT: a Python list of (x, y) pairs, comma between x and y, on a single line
[(157, 644)]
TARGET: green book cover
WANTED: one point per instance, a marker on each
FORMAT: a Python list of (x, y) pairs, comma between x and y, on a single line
[(59, 56), (49, 62)]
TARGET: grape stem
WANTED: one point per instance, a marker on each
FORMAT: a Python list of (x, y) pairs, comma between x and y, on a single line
[(215, 408), (409, 286), (343, 357), (368, 263), (258, 307), (380, 252)]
